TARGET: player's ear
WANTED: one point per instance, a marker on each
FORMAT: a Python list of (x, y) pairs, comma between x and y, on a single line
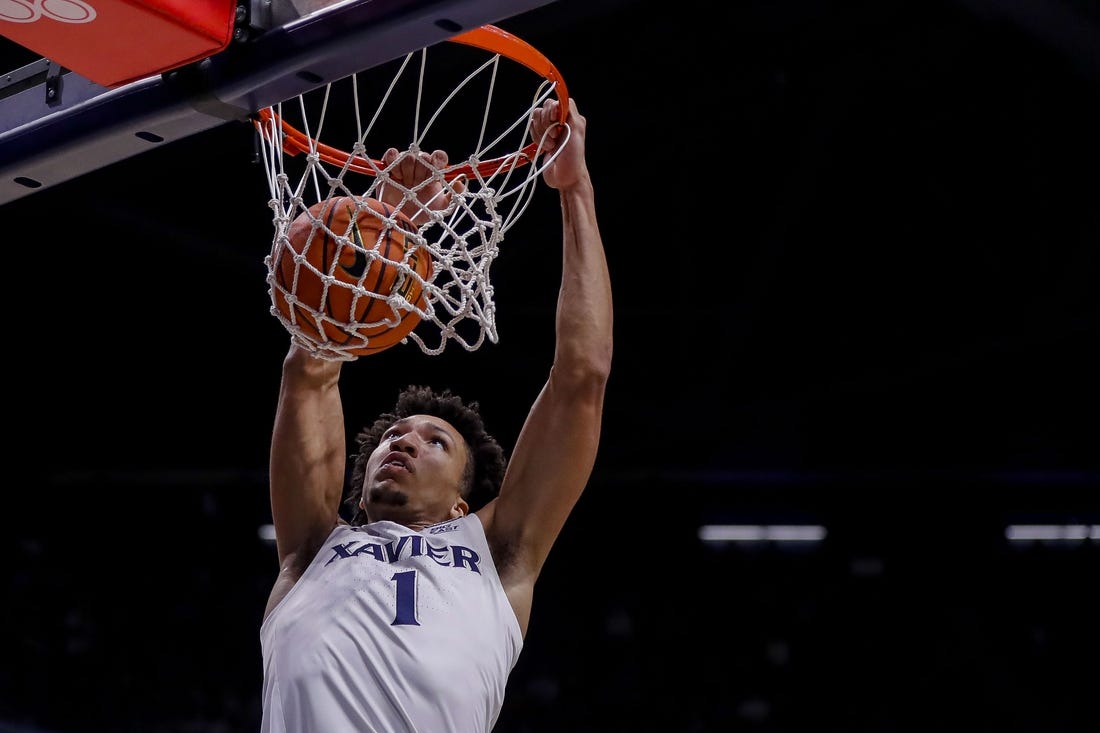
[(460, 508)]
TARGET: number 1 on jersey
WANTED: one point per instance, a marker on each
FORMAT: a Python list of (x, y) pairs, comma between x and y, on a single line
[(406, 599)]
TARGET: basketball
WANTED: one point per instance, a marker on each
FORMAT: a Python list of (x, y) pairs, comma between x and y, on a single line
[(368, 259)]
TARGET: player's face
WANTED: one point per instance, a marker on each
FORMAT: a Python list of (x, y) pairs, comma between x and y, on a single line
[(415, 474)]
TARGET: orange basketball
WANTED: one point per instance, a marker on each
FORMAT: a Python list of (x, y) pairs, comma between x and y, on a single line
[(362, 253)]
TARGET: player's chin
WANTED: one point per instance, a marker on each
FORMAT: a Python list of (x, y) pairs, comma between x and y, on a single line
[(387, 495)]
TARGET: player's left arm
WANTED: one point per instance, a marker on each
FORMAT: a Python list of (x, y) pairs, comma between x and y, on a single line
[(556, 450)]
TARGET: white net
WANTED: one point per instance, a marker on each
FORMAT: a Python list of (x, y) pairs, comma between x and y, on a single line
[(342, 293)]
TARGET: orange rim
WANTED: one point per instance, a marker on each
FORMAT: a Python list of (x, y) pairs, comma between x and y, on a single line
[(487, 37)]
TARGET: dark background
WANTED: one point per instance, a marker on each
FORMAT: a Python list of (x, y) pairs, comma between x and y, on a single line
[(854, 255)]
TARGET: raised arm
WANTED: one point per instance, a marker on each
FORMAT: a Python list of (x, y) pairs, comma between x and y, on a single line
[(556, 450), (306, 463)]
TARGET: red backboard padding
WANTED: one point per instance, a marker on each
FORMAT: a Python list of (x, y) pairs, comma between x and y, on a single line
[(113, 42)]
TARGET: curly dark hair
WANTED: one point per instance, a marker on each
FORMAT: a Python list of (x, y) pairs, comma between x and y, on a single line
[(485, 470)]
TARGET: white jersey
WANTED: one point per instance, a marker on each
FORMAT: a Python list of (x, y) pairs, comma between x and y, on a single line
[(390, 630)]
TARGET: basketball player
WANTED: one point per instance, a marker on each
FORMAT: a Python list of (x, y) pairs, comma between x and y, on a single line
[(411, 617)]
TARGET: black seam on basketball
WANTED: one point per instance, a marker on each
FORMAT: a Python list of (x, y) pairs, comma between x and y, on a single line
[(306, 317), (327, 265), (383, 265)]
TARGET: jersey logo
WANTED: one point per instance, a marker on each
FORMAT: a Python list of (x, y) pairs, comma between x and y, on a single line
[(359, 266), (441, 528)]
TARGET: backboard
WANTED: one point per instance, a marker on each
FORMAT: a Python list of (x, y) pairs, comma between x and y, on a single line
[(57, 124)]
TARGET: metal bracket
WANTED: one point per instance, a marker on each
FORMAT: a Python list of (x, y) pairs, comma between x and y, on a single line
[(25, 77), (263, 15), (53, 83)]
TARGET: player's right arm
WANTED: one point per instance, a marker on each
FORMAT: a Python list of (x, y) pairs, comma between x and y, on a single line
[(306, 467)]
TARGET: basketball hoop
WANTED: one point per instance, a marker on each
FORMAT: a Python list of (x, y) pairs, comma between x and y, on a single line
[(490, 180)]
